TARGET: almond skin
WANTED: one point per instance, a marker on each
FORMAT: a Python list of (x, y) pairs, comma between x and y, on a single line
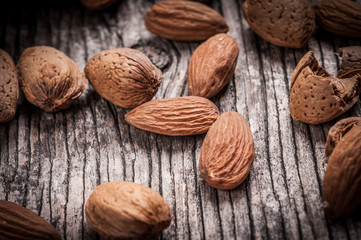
[(127, 210), (9, 87), (184, 21), (227, 152), (212, 65), (316, 96), (342, 182), (49, 79), (181, 116), (98, 4), (17, 222), (124, 76)]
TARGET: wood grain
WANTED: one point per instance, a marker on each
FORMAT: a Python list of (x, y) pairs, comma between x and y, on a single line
[(51, 162)]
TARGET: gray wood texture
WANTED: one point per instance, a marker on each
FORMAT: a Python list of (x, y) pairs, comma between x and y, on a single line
[(51, 162)]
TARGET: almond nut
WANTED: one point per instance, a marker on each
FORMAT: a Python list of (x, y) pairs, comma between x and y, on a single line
[(342, 182), (98, 4), (124, 76), (49, 79), (227, 152), (316, 96), (127, 210), (212, 65), (184, 21), (351, 61), (17, 222), (179, 116), (9, 87), (281, 22)]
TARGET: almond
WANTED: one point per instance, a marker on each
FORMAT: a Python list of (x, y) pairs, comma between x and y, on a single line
[(124, 76), (351, 61), (17, 222), (316, 96), (281, 22), (340, 17), (342, 182), (179, 116), (212, 65), (49, 78), (227, 152), (184, 21), (9, 87), (98, 4), (127, 210)]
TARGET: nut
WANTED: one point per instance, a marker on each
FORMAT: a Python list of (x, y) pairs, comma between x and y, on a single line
[(127, 210), (124, 76), (9, 87), (316, 96), (340, 17), (281, 22), (212, 65), (351, 61), (179, 116), (98, 4), (184, 21), (227, 152), (342, 182), (17, 222), (49, 79)]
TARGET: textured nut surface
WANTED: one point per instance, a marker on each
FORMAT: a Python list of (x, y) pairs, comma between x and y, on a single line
[(282, 22), (17, 222), (184, 21), (179, 116), (338, 131), (227, 152), (351, 61), (316, 96), (49, 79), (127, 210), (342, 181), (124, 76), (212, 65), (340, 17), (98, 4), (9, 87)]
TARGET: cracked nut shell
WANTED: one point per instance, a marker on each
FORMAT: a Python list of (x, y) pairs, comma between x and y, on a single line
[(351, 61)]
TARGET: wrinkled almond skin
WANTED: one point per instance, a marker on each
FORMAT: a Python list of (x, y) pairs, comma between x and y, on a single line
[(98, 4), (227, 152), (342, 181), (184, 21), (338, 131), (9, 87), (340, 17), (124, 76), (127, 210), (181, 116), (49, 79), (212, 65), (284, 23), (17, 222), (316, 96), (351, 61)]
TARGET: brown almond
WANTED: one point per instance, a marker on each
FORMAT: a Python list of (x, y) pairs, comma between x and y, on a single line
[(184, 21), (342, 182), (281, 22), (351, 61), (98, 4), (316, 96), (17, 222), (340, 17), (49, 79), (124, 76), (212, 65), (227, 152), (179, 116), (127, 210), (9, 87)]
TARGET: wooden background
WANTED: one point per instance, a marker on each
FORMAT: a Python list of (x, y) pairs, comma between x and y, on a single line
[(51, 162)]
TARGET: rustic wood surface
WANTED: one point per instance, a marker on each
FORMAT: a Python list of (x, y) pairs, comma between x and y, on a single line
[(51, 162)]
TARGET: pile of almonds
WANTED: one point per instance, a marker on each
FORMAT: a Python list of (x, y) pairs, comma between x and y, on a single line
[(127, 78)]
